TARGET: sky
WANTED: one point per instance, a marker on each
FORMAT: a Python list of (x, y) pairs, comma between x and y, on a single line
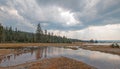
[(78, 19)]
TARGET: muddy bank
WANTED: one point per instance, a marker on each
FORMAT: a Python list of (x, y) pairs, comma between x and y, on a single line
[(106, 49), (4, 52), (53, 63)]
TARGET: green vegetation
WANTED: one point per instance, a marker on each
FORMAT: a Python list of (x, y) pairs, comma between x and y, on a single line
[(8, 35), (1, 32), (93, 41)]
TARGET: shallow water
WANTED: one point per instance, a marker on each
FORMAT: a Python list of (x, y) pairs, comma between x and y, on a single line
[(97, 59)]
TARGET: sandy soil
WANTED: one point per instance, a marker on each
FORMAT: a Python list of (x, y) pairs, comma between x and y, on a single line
[(106, 49), (53, 63)]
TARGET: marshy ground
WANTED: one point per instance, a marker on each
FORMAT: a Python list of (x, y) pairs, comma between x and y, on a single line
[(56, 62)]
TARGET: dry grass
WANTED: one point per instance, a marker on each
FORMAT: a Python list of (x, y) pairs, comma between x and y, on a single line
[(106, 49), (36, 44)]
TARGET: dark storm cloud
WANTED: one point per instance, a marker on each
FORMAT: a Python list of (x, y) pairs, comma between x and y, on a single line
[(73, 5), (105, 10), (3, 2)]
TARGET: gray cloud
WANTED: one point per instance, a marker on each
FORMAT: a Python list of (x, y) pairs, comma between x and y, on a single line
[(73, 5), (90, 12), (59, 14)]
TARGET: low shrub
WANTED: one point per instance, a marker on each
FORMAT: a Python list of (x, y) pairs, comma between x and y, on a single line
[(115, 45)]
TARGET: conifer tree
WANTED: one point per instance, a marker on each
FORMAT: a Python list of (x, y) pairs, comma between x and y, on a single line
[(1, 33), (39, 33)]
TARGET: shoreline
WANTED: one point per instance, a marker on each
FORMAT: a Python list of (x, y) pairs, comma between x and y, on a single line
[(105, 49), (50, 63), (101, 48)]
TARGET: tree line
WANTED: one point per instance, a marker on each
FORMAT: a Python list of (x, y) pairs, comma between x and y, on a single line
[(8, 35)]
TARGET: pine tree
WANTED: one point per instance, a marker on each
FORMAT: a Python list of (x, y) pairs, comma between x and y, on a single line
[(39, 33), (10, 34), (1, 33), (45, 32), (16, 35)]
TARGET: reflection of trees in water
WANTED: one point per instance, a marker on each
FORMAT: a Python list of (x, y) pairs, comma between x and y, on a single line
[(8, 57), (45, 52), (15, 53), (0, 60), (32, 51), (37, 53), (40, 52), (3, 58)]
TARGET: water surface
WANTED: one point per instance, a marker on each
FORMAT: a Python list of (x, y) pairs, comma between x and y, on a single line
[(97, 59)]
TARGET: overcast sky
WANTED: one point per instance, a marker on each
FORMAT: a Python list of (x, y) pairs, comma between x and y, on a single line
[(81, 19)]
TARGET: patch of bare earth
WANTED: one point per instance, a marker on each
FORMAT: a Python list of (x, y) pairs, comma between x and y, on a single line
[(54, 63)]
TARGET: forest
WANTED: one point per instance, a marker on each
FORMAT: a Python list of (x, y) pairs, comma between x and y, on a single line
[(8, 35)]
